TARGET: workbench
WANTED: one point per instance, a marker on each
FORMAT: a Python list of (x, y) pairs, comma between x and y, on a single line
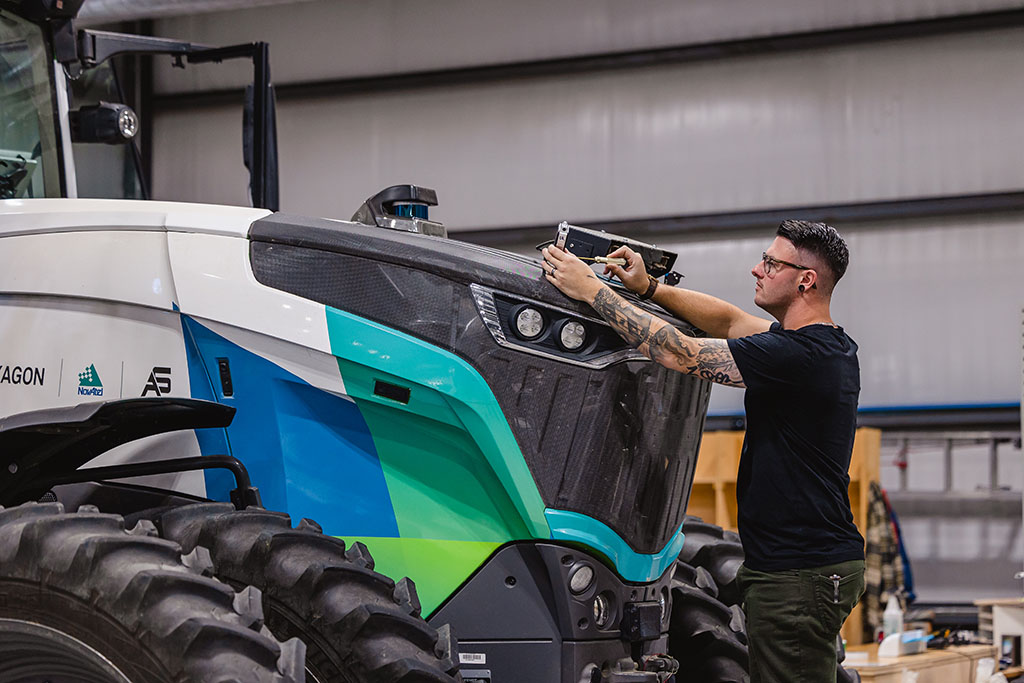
[(950, 665), (1001, 617)]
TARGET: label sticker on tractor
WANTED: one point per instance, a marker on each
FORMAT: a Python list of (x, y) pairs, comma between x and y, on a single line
[(89, 383), (18, 374), (472, 658), (159, 382)]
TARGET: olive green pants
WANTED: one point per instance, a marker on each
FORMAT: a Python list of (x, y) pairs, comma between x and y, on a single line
[(793, 618)]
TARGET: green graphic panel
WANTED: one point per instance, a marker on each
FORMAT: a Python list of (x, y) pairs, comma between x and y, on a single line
[(440, 483), (437, 567), (453, 467)]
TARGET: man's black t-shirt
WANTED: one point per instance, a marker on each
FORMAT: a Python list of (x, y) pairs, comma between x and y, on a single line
[(792, 487)]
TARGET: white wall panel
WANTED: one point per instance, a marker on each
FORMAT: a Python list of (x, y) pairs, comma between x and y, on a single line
[(934, 306), (331, 39), (913, 118)]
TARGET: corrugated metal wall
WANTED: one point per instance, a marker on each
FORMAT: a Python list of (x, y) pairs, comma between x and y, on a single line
[(332, 39), (932, 305), (901, 119)]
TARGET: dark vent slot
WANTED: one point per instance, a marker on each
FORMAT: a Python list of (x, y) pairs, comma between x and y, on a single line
[(391, 391)]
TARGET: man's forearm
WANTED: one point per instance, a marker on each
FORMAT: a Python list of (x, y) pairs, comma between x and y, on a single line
[(664, 344), (716, 317)]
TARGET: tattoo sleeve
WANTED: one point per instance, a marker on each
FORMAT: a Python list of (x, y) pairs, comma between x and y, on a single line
[(707, 358), (631, 323)]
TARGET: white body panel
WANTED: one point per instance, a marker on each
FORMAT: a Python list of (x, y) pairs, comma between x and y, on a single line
[(60, 338), (214, 280), (90, 287), (21, 216), (126, 266)]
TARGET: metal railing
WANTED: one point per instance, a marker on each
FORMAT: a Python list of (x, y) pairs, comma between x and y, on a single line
[(949, 441)]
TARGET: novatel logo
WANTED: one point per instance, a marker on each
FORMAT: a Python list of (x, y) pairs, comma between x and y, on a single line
[(159, 382), (18, 374), (89, 383)]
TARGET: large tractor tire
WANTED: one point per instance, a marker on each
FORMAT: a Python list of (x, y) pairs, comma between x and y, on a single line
[(83, 600), (707, 637), (718, 551), (359, 626)]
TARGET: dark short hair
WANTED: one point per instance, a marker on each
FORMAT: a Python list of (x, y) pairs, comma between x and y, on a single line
[(821, 240)]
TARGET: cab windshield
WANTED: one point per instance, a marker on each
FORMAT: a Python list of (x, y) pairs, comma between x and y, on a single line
[(29, 165)]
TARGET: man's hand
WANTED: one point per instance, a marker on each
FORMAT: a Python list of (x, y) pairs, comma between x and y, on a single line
[(571, 276), (634, 275)]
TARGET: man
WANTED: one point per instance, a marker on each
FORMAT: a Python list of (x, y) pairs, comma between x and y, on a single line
[(804, 565)]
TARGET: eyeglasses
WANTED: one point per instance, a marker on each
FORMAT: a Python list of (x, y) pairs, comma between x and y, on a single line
[(771, 263)]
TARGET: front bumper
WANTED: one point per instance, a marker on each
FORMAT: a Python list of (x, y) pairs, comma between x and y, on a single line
[(517, 618)]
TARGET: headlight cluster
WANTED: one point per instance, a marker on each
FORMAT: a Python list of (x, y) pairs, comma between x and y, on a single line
[(530, 323), (558, 333)]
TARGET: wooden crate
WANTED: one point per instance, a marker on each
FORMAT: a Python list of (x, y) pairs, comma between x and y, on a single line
[(714, 488)]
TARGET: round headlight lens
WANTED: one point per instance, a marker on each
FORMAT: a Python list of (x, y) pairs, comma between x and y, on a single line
[(529, 322), (602, 611), (572, 335), (580, 580), (127, 123)]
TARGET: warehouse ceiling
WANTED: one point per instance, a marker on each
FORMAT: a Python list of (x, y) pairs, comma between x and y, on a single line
[(108, 11)]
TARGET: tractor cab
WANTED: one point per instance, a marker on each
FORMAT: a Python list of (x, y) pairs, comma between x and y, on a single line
[(62, 102)]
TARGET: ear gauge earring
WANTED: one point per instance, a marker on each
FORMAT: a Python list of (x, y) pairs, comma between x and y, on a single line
[(801, 288)]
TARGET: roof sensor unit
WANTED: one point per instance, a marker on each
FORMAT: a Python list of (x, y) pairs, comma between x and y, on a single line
[(401, 207)]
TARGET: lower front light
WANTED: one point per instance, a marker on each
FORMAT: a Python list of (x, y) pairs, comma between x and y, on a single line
[(602, 611)]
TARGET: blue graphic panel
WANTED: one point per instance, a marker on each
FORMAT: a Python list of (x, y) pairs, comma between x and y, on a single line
[(211, 441), (309, 452)]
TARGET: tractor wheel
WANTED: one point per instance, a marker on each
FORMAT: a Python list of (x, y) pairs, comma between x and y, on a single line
[(83, 600), (718, 551), (707, 637), (359, 626)]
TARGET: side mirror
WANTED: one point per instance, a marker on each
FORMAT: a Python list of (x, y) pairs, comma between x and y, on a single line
[(104, 122)]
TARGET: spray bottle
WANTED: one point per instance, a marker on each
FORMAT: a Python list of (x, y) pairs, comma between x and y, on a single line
[(892, 617)]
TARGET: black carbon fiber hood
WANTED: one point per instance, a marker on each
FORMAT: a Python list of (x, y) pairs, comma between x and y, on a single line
[(617, 443), (450, 259)]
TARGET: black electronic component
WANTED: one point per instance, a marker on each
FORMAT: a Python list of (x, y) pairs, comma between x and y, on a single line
[(105, 122), (641, 621), (227, 390), (587, 243)]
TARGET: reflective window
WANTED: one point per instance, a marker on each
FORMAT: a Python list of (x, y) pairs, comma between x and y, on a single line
[(29, 164)]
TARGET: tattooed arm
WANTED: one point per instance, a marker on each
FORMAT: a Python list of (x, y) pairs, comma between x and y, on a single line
[(652, 336), (664, 344)]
